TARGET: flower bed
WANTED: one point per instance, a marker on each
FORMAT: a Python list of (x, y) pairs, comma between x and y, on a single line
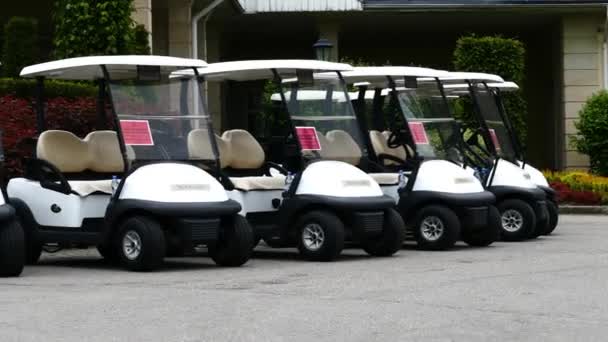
[(578, 187)]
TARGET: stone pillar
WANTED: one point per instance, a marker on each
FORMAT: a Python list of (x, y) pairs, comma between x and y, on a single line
[(180, 31), (329, 30), (582, 75), (143, 16)]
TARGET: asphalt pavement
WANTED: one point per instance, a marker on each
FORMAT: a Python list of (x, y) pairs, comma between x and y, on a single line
[(554, 288)]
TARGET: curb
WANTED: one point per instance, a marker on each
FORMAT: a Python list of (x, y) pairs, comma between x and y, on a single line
[(583, 209)]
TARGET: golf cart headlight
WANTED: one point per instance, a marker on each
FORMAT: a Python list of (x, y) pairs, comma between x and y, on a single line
[(463, 180)]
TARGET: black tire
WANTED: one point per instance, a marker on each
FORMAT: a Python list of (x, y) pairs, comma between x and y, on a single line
[(33, 250), (553, 217), (525, 212), (235, 244), (391, 240), (448, 220), (151, 239), (487, 235), (108, 253), (542, 226), (332, 230), (12, 249)]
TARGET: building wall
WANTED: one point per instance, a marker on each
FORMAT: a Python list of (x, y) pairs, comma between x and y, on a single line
[(582, 75)]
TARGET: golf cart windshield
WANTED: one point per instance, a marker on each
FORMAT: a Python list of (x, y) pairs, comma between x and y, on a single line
[(432, 126), (156, 112), (323, 118), (497, 131)]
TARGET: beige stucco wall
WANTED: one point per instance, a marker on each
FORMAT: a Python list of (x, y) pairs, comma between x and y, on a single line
[(582, 75)]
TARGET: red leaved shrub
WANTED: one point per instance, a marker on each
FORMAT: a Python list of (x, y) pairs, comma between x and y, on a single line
[(18, 123), (567, 195)]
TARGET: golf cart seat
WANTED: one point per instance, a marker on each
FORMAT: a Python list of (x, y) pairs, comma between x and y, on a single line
[(342, 144), (241, 156), (379, 142), (86, 164)]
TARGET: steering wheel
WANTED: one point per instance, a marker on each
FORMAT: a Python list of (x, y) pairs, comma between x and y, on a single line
[(395, 139)]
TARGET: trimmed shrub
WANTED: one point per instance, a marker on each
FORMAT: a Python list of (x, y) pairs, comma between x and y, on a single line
[(84, 28), (20, 45), (52, 88), (592, 129), (141, 44), (500, 56)]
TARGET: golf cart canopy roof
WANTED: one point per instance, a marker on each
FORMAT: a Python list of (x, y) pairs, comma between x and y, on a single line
[(262, 69), (88, 68), (474, 77), (375, 74), (503, 86)]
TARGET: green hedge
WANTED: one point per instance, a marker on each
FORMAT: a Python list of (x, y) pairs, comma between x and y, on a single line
[(53, 88), (21, 46), (501, 56), (592, 128)]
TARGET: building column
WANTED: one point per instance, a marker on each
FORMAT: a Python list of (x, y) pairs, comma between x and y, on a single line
[(582, 76), (330, 30), (143, 16), (180, 32)]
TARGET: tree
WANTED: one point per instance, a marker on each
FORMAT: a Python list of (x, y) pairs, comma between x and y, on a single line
[(20, 45), (93, 27), (592, 127)]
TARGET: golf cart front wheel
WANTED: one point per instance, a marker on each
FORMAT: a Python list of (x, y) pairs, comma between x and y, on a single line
[(436, 227), (553, 217), (235, 244), (12, 249), (518, 220), (140, 243), (391, 240), (320, 235), (486, 235)]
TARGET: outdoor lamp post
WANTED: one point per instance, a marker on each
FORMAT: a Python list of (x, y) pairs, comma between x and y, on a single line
[(323, 49)]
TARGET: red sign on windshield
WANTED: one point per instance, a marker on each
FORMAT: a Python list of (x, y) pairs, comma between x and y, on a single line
[(494, 139), (308, 138), (136, 132), (418, 133)]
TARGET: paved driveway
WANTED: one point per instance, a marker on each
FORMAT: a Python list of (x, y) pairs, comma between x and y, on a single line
[(553, 288)]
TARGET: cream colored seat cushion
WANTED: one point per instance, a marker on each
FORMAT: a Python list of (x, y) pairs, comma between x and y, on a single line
[(380, 145), (245, 151), (104, 152), (385, 178), (342, 147), (86, 188), (199, 147), (259, 183)]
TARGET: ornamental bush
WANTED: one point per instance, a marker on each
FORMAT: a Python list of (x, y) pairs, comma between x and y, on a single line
[(21, 47), (578, 187), (592, 129), (22, 87), (501, 56)]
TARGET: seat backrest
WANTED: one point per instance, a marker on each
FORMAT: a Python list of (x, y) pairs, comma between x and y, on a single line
[(199, 146), (245, 151), (379, 142), (343, 147), (97, 152)]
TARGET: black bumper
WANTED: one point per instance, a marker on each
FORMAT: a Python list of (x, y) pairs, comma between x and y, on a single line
[(549, 192), (7, 212)]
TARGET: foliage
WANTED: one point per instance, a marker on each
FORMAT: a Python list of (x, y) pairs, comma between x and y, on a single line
[(52, 88), (101, 27), (495, 55), (21, 46), (141, 43), (77, 115), (578, 187), (593, 129)]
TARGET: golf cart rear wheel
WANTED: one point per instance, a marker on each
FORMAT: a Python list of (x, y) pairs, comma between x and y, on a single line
[(140, 243), (108, 253), (320, 235), (518, 220), (486, 235), (436, 227), (12, 249), (235, 244), (553, 217), (391, 240)]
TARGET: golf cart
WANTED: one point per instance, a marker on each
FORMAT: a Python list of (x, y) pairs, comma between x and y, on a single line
[(522, 205), (413, 133), (311, 196), (12, 239), (129, 188)]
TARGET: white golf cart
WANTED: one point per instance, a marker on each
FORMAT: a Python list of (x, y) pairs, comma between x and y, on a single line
[(522, 205), (319, 199), (12, 239), (412, 131), (132, 190)]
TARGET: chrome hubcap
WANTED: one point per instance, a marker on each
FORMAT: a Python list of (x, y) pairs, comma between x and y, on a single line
[(431, 228), (131, 245), (512, 220), (313, 236)]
